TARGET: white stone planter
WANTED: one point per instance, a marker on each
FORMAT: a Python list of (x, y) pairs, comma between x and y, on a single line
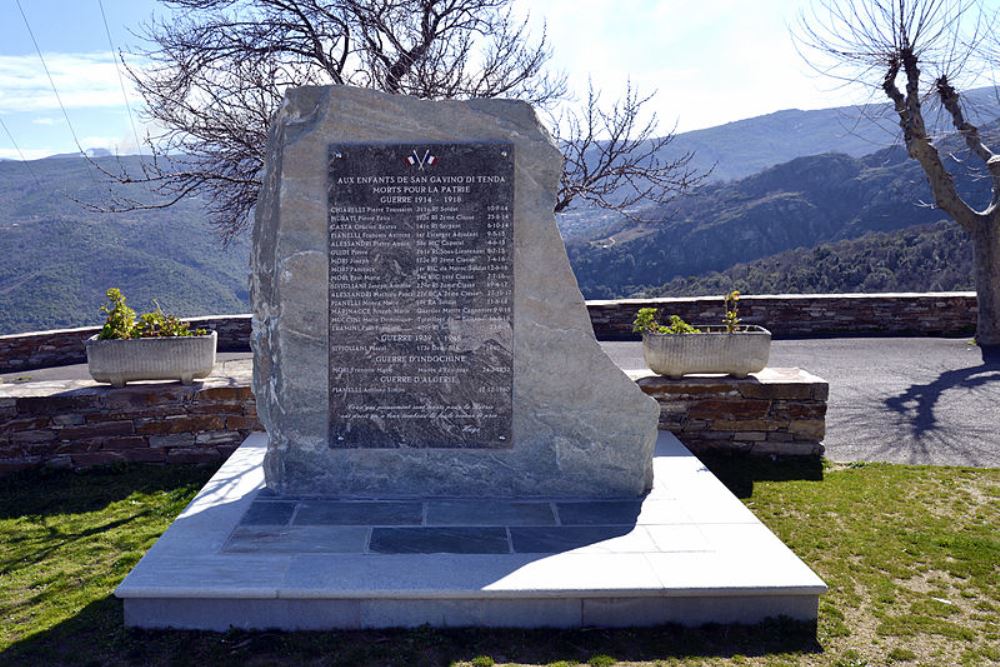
[(183, 358), (712, 351)]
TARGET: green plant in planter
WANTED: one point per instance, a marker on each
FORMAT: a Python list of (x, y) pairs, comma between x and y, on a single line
[(732, 305), (156, 324), (646, 322), (646, 319), (121, 321)]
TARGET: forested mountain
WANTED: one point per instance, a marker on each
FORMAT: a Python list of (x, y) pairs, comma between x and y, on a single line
[(799, 204), (924, 258), (746, 147), (57, 258)]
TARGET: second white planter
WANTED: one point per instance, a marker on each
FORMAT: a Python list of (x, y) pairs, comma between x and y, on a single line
[(712, 351)]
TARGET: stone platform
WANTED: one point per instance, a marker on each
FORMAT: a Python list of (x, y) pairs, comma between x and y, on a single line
[(688, 553)]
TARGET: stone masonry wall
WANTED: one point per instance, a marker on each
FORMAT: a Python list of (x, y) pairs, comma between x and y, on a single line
[(779, 411), (77, 424), (786, 316), (795, 315), (61, 347)]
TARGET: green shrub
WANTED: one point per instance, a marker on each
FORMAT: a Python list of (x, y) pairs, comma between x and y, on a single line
[(646, 319), (646, 322), (121, 321), (732, 320)]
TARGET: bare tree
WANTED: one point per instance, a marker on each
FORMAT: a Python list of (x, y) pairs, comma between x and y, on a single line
[(219, 68), (613, 158), (888, 45)]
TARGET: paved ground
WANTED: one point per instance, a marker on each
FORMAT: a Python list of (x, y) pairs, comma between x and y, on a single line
[(904, 400)]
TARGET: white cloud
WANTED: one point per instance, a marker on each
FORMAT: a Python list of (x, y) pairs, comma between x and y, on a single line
[(29, 153), (84, 80), (709, 62), (44, 120)]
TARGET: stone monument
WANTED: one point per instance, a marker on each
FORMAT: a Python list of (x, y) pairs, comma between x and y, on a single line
[(417, 329)]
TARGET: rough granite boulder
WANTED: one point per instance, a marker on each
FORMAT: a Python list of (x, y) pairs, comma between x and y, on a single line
[(579, 426)]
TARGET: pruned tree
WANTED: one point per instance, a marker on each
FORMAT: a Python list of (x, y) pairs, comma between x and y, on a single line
[(909, 51), (218, 69)]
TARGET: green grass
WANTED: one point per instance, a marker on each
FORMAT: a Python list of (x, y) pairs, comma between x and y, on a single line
[(911, 555)]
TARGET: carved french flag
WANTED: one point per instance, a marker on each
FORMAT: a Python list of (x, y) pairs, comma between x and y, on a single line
[(414, 159)]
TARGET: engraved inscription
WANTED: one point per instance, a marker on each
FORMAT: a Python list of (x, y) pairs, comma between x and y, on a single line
[(421, 295)]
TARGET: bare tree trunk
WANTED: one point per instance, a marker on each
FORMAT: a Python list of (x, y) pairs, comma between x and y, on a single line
[(986, 250)]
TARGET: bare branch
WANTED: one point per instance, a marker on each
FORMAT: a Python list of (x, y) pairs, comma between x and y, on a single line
[(614, 160), (219, 69)]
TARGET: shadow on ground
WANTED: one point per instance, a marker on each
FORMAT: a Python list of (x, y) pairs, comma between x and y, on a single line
[(67, 492), (916, 407), (96, 636), (739, 471)]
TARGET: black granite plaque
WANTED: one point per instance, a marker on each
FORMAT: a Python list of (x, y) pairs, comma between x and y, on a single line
[(421, 295)]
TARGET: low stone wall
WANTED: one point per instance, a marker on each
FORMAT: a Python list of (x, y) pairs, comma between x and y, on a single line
[(785, 315), (61, 347), (804, 315), (780, 411), (78, 424)]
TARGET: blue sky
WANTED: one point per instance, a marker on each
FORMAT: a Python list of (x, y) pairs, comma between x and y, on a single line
[(710, 61), (74, 43)]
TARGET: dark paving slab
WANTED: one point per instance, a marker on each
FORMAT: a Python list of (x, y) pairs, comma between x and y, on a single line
[(346, 513), (902, 400), (479, 540), (297, 539), (562, 538), (600, 512), (268, 514), (489, 513)]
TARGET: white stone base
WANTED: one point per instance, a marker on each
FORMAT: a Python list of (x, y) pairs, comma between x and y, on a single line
[(696, 556)]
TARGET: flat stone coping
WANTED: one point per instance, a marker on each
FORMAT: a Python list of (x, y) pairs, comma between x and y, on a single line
[(231, 370), (786, 376), (398, 560), (880, 296)]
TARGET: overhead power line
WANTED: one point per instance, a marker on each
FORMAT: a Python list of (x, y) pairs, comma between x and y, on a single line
[(49, 75), (18, 149), (52, 83), (121, 80)]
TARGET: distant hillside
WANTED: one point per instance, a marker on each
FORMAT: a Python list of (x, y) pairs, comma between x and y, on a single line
[(799, 204), (746, 147), (924, 258), (59, 258)]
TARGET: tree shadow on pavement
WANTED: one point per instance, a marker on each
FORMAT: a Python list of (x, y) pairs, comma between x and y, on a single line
[(917, 405)]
